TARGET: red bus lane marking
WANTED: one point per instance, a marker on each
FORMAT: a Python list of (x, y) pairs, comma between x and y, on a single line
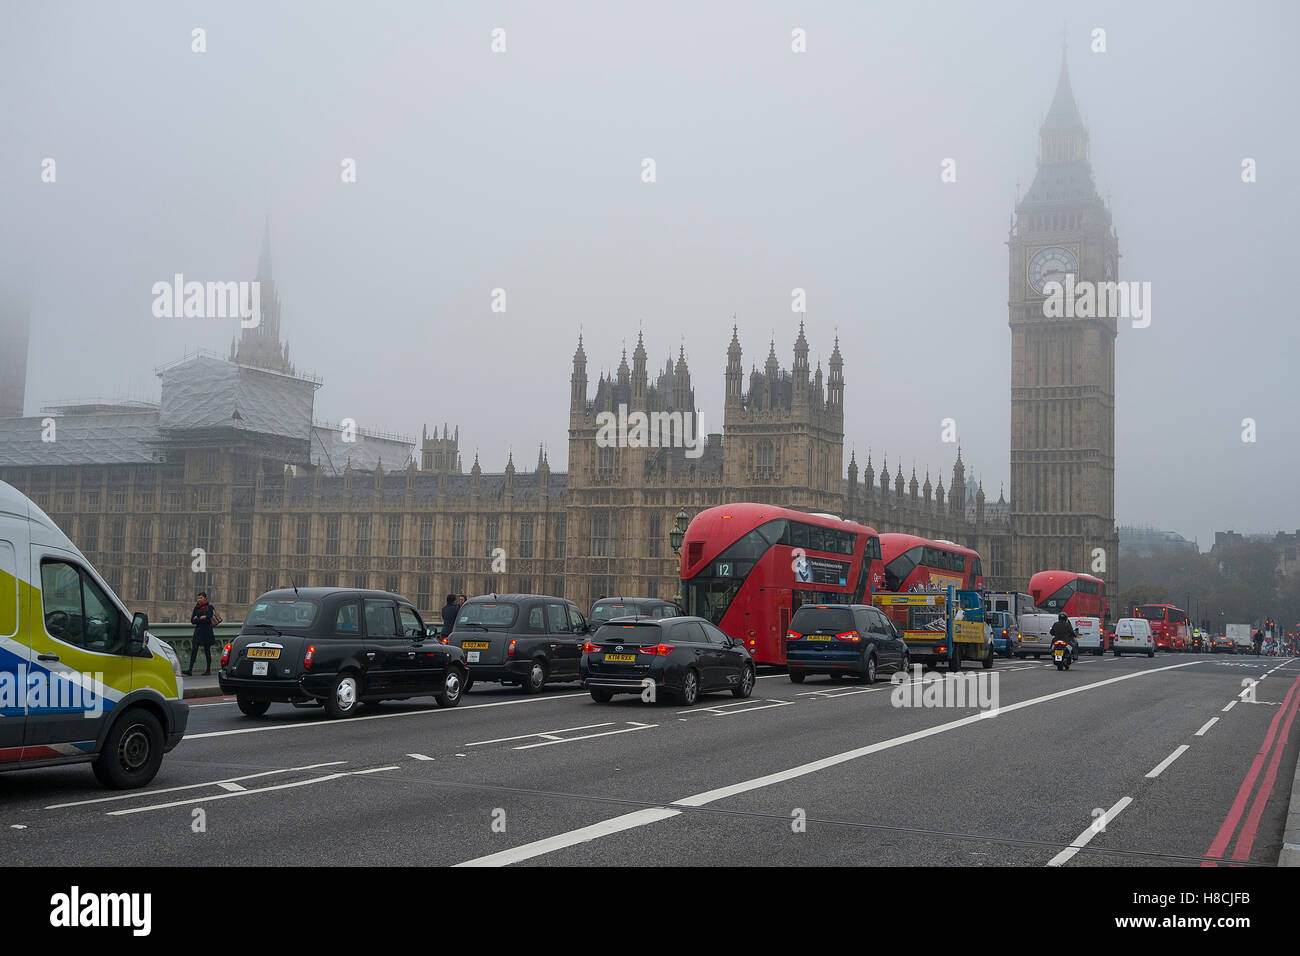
[(1222, 838), (1247, 838)]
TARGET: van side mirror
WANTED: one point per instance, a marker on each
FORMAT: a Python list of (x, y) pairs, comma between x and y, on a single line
[(136, 640)]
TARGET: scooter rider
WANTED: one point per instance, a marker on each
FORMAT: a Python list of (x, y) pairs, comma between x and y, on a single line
[(1063, 630)]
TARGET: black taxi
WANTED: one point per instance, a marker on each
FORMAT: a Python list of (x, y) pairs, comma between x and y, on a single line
[(340, 648)]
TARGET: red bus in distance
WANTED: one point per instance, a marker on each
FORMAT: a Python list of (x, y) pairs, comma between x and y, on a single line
[(1168, 625), (1071, 594), (914, 563), (748, 567)]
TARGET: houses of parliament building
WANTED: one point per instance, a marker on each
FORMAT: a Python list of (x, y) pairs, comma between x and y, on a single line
[(229, 483)]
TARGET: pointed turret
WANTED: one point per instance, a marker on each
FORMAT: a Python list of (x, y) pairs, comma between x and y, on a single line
[(835, 384), (578, 382), (735, 371), (640, 378)]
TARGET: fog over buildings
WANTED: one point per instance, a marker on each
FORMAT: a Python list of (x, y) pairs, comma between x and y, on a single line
[(522, 171)]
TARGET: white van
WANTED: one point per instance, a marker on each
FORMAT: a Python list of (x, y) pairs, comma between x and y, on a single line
[(1133, 636), (1088, 630), (1035, 635), (81, 679)]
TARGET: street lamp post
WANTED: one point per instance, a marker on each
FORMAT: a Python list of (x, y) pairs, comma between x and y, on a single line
[(675, 538)]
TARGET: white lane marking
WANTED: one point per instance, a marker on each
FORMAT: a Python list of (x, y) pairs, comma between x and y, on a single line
[(136, 794), (643, 817), (1208, 724), (569, 740), (745, 706), (419, 757), (232, 787), (831, 694), (1231, 704), (1159, 768), (246, 793), (301, 725), (543, 733), (628, 821), (1082, 839)]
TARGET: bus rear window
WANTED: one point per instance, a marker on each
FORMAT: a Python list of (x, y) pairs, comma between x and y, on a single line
[(1151, 612)]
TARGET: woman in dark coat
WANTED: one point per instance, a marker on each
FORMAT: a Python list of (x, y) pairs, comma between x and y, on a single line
[(204, 617)]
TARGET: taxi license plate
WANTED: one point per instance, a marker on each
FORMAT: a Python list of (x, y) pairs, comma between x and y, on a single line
[(620, 658), (471, 657), (259, 668), (266, 653), (475, 645), (820, 637)]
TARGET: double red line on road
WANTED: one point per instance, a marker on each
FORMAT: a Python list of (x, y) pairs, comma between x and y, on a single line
[(1274, 744)]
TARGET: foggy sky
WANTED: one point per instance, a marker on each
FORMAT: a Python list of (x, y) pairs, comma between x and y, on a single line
[(775, 170)]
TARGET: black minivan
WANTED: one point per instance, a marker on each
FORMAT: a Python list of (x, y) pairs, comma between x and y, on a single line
[(524, 639), (839, 639), (337, 647)]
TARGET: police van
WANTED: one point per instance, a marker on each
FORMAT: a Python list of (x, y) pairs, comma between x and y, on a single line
[(81, 679)]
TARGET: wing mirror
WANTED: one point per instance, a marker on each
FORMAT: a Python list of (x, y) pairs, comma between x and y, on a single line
[(137, 638)]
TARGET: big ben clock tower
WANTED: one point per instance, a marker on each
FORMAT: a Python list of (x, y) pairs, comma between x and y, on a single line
[(1062, 369)]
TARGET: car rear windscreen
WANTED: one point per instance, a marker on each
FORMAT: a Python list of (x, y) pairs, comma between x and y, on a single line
[(495, 614), (829, 620), (282, 612), (631, 633)]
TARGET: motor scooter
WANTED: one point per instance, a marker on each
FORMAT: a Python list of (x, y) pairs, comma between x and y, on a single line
[(1061, 655)]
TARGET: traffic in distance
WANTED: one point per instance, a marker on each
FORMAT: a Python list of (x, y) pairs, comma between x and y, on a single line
[(760, 585)]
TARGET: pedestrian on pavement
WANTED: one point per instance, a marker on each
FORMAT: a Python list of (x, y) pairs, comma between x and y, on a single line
[(449, 612), (204, 617), (1259, 641), (460, 601)]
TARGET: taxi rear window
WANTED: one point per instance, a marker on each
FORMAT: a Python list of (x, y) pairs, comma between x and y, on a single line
[(283, 612)]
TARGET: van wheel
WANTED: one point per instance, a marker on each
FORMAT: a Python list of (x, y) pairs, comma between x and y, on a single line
[(536, 678), (133, 751), (344, 696), (453, 686), (870, 676), (251, 706), (1117, 652), (796, 677), (1151, 653)]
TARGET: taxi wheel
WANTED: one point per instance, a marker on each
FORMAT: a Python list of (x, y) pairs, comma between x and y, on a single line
[(536, 678), (746, 685), (251, 706), (133, 751), (835, 678), (344, 695), (796, 677), (453, 687)]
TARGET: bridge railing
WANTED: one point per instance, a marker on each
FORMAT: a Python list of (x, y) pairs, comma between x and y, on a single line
[(180, 635)]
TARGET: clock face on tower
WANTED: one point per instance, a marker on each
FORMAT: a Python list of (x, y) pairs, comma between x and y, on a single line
[(1051, 265)]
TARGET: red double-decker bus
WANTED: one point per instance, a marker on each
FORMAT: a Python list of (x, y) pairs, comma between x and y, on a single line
[(748, 567), (1071, 594), (919, 564), (1168, 625)]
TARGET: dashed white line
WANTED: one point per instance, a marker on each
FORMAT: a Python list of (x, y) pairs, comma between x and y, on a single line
[(230, 787), (544, 733), (246, 793), (419, 757), (1160, 768), (641, 818), (1083, 838), (604, 733), (136, 794), (1231, 704), (1208, 724)]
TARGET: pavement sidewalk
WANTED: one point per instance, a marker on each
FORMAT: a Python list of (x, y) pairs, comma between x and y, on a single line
[(200, 686)]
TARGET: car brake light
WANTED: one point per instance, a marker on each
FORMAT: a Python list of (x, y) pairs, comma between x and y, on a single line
[(590, 648), (225, 655), (306, 661), (848, 636), (658, 650), (510, 651), (444, 640), (792, 635)]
